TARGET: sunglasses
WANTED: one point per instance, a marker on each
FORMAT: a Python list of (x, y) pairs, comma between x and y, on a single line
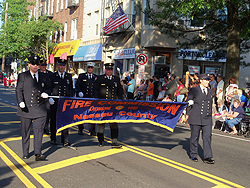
[(34, 63)]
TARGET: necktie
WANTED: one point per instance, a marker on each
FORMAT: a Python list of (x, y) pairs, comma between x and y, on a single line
[(204, 91), (34, 76), (61, 76)]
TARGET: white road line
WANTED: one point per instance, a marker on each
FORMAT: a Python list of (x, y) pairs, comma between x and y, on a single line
[(13, 104), (226, 136), (5, 101)]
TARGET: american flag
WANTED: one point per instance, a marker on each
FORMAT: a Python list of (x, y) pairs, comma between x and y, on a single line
[(117, 19)]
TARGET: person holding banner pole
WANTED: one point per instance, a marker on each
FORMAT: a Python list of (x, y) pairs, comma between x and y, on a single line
[(200, 118), (32, 92), (108, 86), (62, 85), (85, 88)]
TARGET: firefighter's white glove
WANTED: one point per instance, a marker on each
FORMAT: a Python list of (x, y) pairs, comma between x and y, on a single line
[(22, 105), (190, 102), (44, 95), (80, 94), (51, 101)]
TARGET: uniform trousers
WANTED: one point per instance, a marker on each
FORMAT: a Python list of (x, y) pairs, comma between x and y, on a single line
[(114, 131), (38, 126), (194, 140), (64, 133)]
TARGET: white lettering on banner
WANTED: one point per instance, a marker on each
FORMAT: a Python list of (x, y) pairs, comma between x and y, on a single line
[(192, 54), (194, 69), (128, 53)]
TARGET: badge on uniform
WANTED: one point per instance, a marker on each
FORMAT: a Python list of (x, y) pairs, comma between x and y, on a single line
[(103, 84), (84, 80), (115, 84), (55, 82)]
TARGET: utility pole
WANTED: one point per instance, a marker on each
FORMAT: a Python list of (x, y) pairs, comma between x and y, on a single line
[(5, 24)]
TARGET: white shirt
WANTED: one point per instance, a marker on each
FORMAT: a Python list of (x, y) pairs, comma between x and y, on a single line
[(61, 74), (161, 94), (220, 87), (32, 74), (202, 89)]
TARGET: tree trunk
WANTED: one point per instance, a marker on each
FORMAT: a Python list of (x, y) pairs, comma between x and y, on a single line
[(233, 44)]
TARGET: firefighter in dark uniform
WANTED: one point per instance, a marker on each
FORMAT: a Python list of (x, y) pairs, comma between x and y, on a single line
[(62, 85), (32, 92), (108, 86), (200, 118), (42, 68), (85, 88)]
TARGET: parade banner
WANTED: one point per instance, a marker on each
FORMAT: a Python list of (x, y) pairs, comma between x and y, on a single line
[(74, 111)]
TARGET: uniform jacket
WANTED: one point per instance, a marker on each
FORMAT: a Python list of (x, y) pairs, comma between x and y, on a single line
[(29, 92), (61, 87), (201, 110), (86, 85), (108, 89)]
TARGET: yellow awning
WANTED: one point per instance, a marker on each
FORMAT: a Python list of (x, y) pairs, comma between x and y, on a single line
[(69, 47)]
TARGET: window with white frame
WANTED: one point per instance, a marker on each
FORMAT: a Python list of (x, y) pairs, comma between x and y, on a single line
[(45, 7), (107, 12), (56, 36), (35, 11), (60, 36), (74, 29), (145, 17), (61, 5), (52, 7), (65, 31), (66, 4), (49, 7), (96, 22), (88, 26), (57, 5)]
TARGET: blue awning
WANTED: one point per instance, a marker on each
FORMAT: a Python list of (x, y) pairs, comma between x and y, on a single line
[(89, 53)]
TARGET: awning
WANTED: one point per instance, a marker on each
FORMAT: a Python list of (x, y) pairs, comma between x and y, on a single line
[(69, 47), (89, 53)]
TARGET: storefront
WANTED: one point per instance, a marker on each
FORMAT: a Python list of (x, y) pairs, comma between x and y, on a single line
[(65, 51), (124, 61), (204, 64), (88, 53)]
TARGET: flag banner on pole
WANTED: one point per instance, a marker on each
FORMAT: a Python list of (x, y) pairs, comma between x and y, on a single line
[(75, 111), (117, 19)]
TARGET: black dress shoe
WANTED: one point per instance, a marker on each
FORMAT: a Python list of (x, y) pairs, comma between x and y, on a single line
[(209, 161), (101, 144), (80, 132), (65, 144), (53, 142), (116, 145), (46, 131), (25, 157), (39, 157), (194, 159)]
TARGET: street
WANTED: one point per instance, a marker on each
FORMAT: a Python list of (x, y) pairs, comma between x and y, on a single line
[(151, 156)]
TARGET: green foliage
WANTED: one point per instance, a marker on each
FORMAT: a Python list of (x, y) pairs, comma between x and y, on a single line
[(220, 17), (23, 36)]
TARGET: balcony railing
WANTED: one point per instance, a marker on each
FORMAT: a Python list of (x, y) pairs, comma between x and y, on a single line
[(125, 27), (73, 3)]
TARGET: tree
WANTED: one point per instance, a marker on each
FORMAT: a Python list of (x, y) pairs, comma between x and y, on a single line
[(25, 36), (224, 27)]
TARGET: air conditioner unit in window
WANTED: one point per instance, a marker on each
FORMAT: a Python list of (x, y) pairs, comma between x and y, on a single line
[(160, 59)]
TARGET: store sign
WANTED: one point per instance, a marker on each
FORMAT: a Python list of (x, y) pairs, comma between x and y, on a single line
[(210, 70), (194, 69), (128, 53), (192, 54)]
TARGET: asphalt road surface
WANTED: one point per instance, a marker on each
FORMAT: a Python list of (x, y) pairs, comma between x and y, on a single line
[(151, 156)]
